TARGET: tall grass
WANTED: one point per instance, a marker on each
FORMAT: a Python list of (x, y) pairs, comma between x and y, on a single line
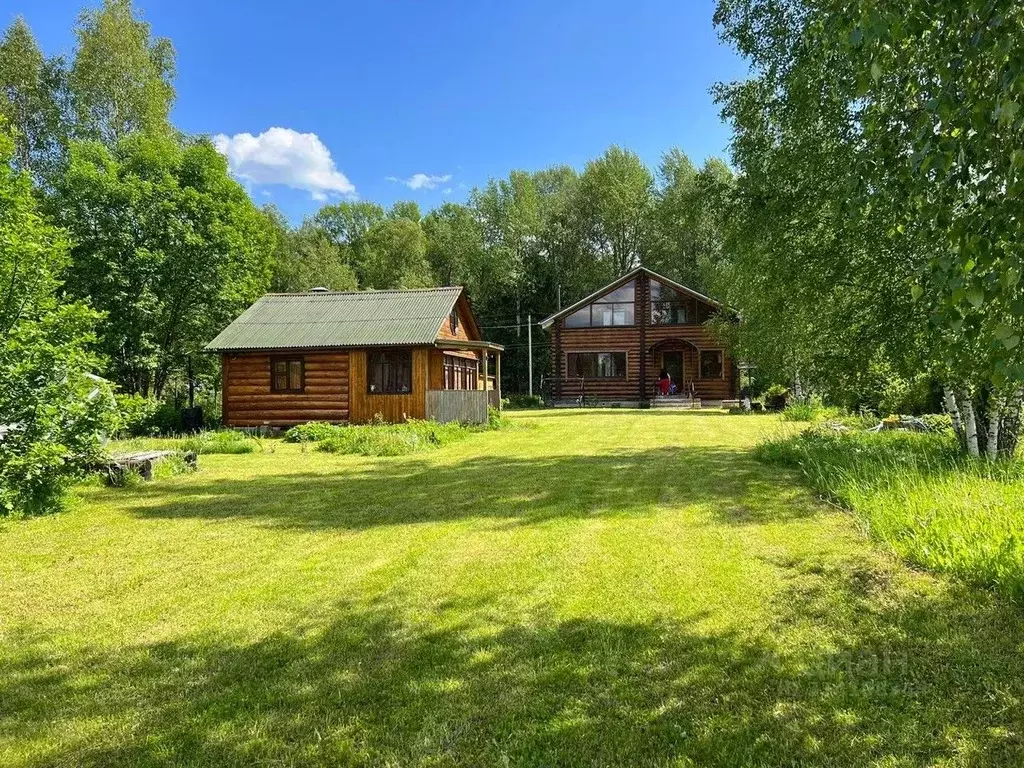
[(917, 494), (380, 438)]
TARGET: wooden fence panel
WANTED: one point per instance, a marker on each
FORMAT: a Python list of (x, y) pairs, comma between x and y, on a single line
[(466, 405)]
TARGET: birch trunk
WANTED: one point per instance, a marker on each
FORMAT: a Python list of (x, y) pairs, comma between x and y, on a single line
[(994, 415), (970, 425), (1009, 430), (949, 399)]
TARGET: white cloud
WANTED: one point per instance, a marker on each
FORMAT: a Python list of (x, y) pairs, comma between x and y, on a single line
[(284, 156), (446, 191), (422, 180)]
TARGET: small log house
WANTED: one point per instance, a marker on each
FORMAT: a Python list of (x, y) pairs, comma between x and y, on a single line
[(348, 357)]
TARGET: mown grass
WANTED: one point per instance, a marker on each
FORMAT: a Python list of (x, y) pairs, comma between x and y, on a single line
[(602, 588), (917, 494)]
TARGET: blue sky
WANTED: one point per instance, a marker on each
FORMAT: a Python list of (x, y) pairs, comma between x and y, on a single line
[(454, 91)]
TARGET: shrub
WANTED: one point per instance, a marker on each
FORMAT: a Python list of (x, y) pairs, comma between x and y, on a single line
[(494, 418), (776, 397), (134, 415), (811, 409), (53, 411), (524, 401), (800, 412), (311, 432), (382, 439), (921, 497), (224, 441)]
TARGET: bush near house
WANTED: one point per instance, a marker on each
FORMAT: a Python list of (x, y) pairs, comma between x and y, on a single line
[(381, 438)]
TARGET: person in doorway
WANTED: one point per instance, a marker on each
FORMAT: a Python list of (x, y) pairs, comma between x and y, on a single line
[(664, 382)]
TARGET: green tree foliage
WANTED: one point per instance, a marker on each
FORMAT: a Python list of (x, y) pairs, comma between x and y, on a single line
[(876, 205), (121, 78), (50, 407), (393, 254), (307, 258), (454, 245), (166, 244), (616, 198), (685, 238), (30, 96)]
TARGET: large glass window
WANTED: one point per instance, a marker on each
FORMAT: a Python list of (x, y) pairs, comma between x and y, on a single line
[(711, 364), (287, 374), (389, 372), (668, 306), (613, 309), (597, 365)]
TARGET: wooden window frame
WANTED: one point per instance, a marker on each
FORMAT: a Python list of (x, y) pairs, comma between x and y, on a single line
[(287, 359), (683, 299), (369, 370), (460, 369), (625, 367), (603, 301), (700, 364)]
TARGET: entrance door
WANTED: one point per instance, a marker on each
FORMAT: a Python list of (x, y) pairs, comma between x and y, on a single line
[(672, 362)]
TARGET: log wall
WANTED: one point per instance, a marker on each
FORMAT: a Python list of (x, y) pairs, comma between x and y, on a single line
[(249, 402), (637, 342)]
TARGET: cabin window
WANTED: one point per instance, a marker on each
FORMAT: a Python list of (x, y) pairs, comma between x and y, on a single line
[(453, 322), (287, 374), (460, 372), (615, 308), (389, 372), (668, 306), (597, 365), (711, 364)]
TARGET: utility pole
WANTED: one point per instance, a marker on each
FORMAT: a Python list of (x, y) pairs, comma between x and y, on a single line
[(529, 351)]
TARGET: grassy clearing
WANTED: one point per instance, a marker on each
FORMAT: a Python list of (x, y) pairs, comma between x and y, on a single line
[(601, 588), (919, 496)]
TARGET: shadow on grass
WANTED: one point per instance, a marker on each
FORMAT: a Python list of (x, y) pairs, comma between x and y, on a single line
[(910, 682), (524, 490)]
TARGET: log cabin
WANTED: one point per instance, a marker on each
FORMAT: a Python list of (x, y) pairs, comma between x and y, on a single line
[(351, 357), (613, 345)]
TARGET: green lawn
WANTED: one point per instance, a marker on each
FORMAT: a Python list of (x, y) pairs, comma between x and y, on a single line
[(583, 588)]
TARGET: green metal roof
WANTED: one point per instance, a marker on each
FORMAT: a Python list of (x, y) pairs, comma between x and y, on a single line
[(349, 319)]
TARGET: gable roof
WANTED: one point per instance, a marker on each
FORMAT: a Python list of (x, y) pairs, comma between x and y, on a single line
[(340, 319), (547, 321)]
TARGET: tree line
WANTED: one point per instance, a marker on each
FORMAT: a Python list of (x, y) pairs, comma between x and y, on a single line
[(875, 229), (168, 248)]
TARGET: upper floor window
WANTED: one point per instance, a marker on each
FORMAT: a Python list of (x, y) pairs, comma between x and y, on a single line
[(613, 309), (287, 374), (389, 372), (453, 322), (668, 306)]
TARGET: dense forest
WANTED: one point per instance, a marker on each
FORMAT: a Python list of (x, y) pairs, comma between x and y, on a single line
[(168, 247)]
